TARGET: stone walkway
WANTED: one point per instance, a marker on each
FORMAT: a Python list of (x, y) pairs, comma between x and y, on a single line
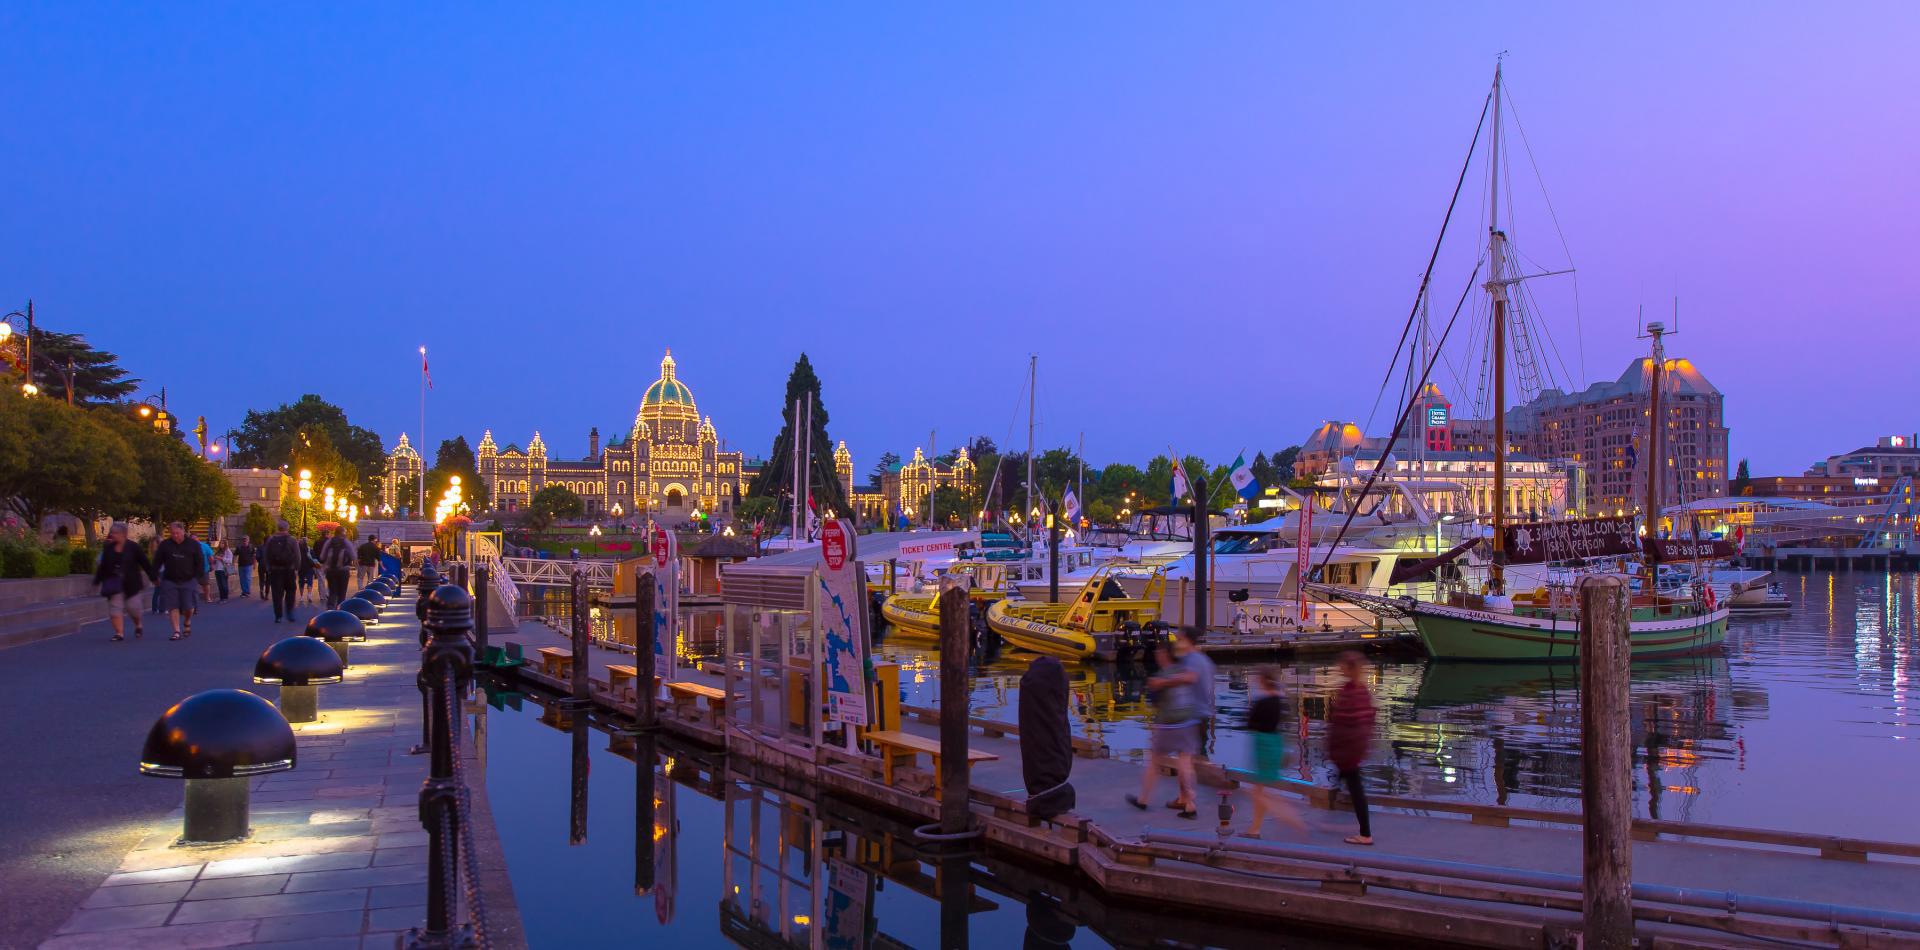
[(337, 857)]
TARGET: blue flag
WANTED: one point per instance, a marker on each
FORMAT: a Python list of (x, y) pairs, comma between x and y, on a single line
[(1244, 484)]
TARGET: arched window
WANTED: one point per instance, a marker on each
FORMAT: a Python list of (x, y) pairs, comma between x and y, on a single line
[(620, 487), (673, 498)]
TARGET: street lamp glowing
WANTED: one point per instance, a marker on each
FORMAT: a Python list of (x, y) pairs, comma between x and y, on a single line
[(30, 389), (145, 411), (305, 475), (453, 479), (6, 330)]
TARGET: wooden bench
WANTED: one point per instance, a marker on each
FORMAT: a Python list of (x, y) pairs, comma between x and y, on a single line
[(686, 700), (557, 662), (621, 680), (896, 746)]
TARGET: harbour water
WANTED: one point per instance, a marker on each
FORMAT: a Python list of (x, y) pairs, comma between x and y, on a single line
[(1805, 723)]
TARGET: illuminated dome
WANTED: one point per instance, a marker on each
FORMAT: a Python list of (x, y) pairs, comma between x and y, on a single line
[(667, 412), (1333, 438), (667, 389)]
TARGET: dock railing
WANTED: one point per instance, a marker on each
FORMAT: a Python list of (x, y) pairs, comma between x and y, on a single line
[(456, 911)]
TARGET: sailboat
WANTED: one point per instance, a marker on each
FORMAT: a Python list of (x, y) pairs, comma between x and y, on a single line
[(1543, 625)]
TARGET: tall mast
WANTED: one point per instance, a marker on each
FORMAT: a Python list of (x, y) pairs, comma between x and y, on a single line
[(1497, 287), (1033, 367), (1656, 451), (933, 483)]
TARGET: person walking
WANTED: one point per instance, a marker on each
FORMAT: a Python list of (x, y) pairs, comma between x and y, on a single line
[(206, 580), (1174, 733), (369, 561), (222, 567), (122, 571), (244, 554), (181, 565), (279, 568), (336, 558), (153, 548), (1349, 733), (309, 569), (1269, 753), (1205, 702)]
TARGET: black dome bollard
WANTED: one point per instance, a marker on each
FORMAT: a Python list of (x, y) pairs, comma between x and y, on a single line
[(361, 609), (299, 666), (217, 741), (338, 628), (377, 596)]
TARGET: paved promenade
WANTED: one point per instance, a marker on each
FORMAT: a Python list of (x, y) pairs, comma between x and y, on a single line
[(337, 857)]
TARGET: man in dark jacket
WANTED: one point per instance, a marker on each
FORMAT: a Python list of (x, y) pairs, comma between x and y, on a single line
[(336, 558), (369, 560), (181, 563), (243, 558), (280, 564)]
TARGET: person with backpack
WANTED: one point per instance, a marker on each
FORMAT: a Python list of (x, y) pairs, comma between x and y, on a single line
[(182, 566), (336, 558), (280, 562)]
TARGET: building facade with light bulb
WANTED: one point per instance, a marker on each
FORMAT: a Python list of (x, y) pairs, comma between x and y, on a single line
[(906, 487), (671, 465)]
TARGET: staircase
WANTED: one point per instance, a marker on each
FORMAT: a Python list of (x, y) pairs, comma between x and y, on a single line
[(40, 608)]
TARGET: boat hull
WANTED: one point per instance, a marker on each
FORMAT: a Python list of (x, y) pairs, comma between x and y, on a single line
[(1036, 635), (1460, 633), (911, 618)]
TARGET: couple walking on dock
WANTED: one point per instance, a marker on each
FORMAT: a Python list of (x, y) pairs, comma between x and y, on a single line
[(1183, 715)]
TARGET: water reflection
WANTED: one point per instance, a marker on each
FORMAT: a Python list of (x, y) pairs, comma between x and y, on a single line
[(782, 868), (1709, 745)]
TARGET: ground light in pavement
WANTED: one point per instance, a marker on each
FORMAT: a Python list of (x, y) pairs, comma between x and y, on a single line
[(338, 628), (218, 741), (299, 666)]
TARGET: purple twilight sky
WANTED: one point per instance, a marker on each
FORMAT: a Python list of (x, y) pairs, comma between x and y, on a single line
[(1207, 220)]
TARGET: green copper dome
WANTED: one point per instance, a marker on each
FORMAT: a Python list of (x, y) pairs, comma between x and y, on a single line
[(668, 391)]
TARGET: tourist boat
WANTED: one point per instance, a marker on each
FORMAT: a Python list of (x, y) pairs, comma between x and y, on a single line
[(1253, 570), (1091, 625), (1155, 536), (1543, 625), (914, 614)]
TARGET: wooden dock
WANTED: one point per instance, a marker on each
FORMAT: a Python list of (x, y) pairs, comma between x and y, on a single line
[(1441, 871)]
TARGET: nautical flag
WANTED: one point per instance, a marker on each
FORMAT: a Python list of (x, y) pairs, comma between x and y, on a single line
[(1179, 487), (423, 368), (1072, 506), (813, 518), (1242, 478)]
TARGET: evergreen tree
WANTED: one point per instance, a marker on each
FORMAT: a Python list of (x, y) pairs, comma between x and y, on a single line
[(1742, 481), (878, 476), (97, 376), (776, 476)]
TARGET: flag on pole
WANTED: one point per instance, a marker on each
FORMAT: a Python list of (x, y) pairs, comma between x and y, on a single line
[(1242, 478), (1072, 506), (1179, 487), (813, 519), (424, 372)]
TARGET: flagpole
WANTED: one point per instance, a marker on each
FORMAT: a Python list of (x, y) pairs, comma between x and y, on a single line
[(794, 538), (1080, 494), (422, 510), (933, 483), (806, 465)]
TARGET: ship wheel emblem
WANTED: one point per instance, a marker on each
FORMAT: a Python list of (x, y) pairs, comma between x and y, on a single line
[(1523, 540)]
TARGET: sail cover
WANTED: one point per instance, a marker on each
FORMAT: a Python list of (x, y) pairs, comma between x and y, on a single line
[(1405, 571), (1532, 542), (1687, 549)]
